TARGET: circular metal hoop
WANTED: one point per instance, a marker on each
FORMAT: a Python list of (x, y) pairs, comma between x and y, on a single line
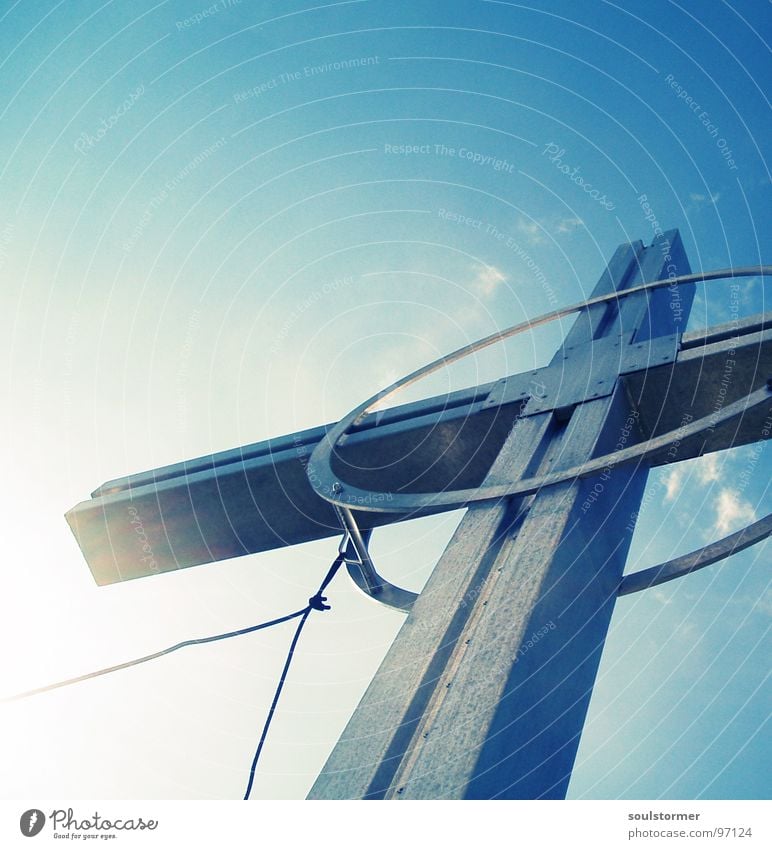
[(327, 486), (645, 579), (705, 556)]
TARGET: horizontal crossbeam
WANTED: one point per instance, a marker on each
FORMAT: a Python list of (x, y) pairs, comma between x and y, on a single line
[(258, 497)]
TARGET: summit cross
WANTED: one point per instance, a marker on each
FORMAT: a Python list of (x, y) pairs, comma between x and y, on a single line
[(484, 692)]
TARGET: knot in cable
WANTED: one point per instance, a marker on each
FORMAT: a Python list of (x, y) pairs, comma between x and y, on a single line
[(317, 602)]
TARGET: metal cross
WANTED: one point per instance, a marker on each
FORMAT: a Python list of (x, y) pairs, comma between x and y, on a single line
[(484, 692)]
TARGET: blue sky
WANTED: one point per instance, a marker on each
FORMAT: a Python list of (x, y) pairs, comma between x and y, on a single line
[(178, 189)]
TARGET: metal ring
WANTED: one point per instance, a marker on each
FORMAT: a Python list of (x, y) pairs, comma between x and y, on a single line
[(698, 559), (327, 486)]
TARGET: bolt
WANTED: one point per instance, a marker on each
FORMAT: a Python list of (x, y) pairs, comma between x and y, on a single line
[(336, 487)]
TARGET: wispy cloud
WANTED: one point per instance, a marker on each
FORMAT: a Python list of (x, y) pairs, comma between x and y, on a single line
[(708, 469), (687, 630), (532, 230), (763, 604), (702, 199), (674, 482), (487, 280), (732, 512), (536, 232), (568, 225)]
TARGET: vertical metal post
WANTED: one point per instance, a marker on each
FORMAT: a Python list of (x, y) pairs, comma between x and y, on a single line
[(485, 690)]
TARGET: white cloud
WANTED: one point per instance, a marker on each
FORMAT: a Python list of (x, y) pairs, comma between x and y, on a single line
[(687, 631), (568, 225), (708, 468), (748, 287), (536, 232), (674, 482), (732, 512), (711, 198), (532, 230), (487, 280), (763, 604)]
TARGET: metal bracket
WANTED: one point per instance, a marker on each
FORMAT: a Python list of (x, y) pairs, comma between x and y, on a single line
[(584, 372), (657, 351), (361, 569)]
